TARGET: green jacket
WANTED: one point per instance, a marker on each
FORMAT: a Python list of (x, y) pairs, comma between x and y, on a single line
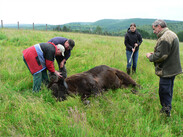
[(166, 56)]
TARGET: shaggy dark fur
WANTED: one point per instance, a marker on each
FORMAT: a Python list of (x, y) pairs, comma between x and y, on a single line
[(93, 81)]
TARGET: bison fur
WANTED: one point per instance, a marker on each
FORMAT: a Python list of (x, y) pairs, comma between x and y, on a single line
[(91, 82)]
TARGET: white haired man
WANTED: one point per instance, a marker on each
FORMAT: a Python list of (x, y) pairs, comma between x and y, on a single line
[(40, 58), (166, 59)]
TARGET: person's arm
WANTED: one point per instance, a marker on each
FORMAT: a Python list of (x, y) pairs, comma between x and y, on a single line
[(139, 37), (49, 54), (51, 68), (161, 53), (50, 65), (62, 63), (127, 42), (149, 54), (58, 74), (67, 55)]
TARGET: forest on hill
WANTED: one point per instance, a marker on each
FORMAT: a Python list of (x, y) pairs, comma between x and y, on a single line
[(111, 27)]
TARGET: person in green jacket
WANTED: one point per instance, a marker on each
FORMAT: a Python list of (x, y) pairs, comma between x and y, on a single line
[(167, 64)]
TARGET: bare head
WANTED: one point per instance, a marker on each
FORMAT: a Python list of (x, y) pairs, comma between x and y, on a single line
[(132, 27), (158, 25), (162, 23)]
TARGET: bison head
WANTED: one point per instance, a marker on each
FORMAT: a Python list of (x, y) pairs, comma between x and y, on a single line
[(59, 87)]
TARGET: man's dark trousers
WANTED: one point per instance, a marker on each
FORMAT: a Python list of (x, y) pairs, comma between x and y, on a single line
[(166, 92)]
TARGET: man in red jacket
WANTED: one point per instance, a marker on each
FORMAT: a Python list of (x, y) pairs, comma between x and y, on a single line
[(40, 58)]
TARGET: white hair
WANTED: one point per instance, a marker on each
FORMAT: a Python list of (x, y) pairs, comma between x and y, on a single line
[(61, 48), (162, 23)]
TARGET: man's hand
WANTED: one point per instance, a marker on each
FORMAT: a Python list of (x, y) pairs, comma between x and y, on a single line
[(149, 54), (133, 49), (136, 45), (58, 74), (62, 63)]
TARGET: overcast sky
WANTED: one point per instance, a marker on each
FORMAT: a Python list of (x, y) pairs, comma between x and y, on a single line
[(66, 11)]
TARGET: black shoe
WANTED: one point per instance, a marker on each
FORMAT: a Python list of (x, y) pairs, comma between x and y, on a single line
[(128, 71), (162, 110), (133, 70), (168, 114), (165, 111)]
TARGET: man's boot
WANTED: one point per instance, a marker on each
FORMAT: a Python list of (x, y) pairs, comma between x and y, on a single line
[(128, 71)]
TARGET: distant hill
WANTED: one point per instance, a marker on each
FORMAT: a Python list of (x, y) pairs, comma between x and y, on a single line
[(116, 27)]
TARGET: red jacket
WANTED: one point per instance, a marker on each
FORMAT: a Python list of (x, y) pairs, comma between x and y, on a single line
[(40, 56)]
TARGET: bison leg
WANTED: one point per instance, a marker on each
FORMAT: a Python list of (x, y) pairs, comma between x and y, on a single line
[(126, 80)]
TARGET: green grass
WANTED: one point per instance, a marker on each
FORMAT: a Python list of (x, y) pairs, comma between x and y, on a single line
[(115, 113)]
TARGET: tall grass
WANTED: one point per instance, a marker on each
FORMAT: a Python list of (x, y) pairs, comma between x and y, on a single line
[(115, 113)]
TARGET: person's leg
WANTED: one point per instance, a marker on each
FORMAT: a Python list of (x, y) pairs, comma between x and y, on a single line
[(135, 59), (166, 94), (37, 78), (172, 84), (26, 63), (128, 55), (45, 79)]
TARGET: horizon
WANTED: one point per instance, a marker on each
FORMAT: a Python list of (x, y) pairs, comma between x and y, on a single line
[(87, 22)]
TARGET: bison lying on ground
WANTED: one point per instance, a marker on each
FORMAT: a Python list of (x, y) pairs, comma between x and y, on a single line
[(93, 81)]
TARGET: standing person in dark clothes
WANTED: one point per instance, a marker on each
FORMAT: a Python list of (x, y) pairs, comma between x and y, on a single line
[(133, 39), (40, 58), (167, 64), (61, 60)]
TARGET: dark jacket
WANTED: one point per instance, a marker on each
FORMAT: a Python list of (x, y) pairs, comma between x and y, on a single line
[(40, 57), (166, 56), (61, 40), (131, 38), (67, 53)]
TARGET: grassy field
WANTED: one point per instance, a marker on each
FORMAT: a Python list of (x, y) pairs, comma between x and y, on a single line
[(116, 113)]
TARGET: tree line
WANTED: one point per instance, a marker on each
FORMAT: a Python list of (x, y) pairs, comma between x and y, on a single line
[(100, 31)]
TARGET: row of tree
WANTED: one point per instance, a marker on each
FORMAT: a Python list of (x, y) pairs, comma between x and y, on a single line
[(100, 31)]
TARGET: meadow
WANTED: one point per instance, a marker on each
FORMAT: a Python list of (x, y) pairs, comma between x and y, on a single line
[(116, 113)]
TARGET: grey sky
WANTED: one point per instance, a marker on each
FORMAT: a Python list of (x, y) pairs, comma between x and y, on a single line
[(66, 11)]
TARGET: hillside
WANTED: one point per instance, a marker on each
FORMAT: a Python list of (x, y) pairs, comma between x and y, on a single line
[(114, 26)]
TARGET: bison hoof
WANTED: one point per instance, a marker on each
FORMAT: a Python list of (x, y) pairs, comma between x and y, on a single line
[(134, 91), (61, 99)]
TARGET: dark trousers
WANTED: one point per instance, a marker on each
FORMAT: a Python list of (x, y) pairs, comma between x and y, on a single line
[(38, 78), (166, 92), (41, 77)]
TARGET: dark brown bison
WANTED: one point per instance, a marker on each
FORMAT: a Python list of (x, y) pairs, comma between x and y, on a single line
[(93, 81)]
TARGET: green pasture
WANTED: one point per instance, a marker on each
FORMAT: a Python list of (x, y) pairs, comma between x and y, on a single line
[(116, 113)]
